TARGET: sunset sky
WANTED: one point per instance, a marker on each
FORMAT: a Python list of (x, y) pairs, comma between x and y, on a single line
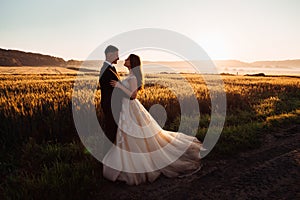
[(226, 29)]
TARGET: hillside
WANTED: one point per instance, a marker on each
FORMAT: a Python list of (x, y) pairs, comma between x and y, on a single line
[(17, 58), (268, 64), (231, 63), (281, 63), (20, 58)]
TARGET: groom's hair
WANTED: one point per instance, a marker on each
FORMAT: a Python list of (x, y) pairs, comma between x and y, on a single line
[(110, 49)]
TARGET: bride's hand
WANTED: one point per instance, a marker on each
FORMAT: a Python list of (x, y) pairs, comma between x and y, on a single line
[(115, 83)]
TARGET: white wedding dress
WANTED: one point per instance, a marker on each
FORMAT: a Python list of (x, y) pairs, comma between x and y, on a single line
[(143, 150)]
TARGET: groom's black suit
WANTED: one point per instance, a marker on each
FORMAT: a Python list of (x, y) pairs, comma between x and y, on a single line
[(111, 116)]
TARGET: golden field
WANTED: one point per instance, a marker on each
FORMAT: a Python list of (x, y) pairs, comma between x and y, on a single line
[(40, 148)]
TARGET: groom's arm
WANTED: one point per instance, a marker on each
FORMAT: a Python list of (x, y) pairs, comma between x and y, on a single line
[(112, 76), (131, 92), (106, 76)]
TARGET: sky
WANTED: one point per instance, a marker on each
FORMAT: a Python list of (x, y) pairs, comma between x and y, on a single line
[(246, 30)]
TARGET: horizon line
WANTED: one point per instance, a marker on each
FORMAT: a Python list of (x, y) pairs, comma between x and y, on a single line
[(223, 59)]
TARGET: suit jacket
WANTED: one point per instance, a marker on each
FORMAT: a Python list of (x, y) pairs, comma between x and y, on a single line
[(108, 73)]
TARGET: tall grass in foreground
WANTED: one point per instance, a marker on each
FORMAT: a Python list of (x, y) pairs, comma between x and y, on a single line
[(41, 155)]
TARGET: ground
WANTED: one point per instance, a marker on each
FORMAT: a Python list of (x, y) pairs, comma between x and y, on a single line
[(269, 172)]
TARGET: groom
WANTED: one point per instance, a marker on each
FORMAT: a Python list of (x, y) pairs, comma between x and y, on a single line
[(108, 72)]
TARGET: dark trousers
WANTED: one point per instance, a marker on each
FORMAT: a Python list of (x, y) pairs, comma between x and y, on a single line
[(110, 125)]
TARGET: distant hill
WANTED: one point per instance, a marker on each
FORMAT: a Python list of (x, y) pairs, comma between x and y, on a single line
[(267, 64), (20, 58), (231, 63), (281, 64)]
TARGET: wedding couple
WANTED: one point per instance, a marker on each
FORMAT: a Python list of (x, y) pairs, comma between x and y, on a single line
[(142, 150)]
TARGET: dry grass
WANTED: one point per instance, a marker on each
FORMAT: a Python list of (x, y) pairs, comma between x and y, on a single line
[(40, 150)]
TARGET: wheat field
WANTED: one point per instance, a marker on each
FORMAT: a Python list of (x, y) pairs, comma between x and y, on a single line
[(40, 148)]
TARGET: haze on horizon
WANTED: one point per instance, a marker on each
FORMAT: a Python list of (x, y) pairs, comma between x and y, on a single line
[(227, 30)]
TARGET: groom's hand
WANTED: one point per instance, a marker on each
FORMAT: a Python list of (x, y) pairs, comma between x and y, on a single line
[(115, 83)]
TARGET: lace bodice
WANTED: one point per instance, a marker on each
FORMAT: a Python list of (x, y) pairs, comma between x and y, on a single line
[(125, 82)]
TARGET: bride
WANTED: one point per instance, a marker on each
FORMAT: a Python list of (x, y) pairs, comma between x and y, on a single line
[(143, 150)]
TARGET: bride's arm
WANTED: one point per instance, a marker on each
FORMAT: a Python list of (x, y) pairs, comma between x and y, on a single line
[(132, 91)]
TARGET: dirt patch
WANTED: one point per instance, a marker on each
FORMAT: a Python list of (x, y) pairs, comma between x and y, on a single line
[(269, 172)]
